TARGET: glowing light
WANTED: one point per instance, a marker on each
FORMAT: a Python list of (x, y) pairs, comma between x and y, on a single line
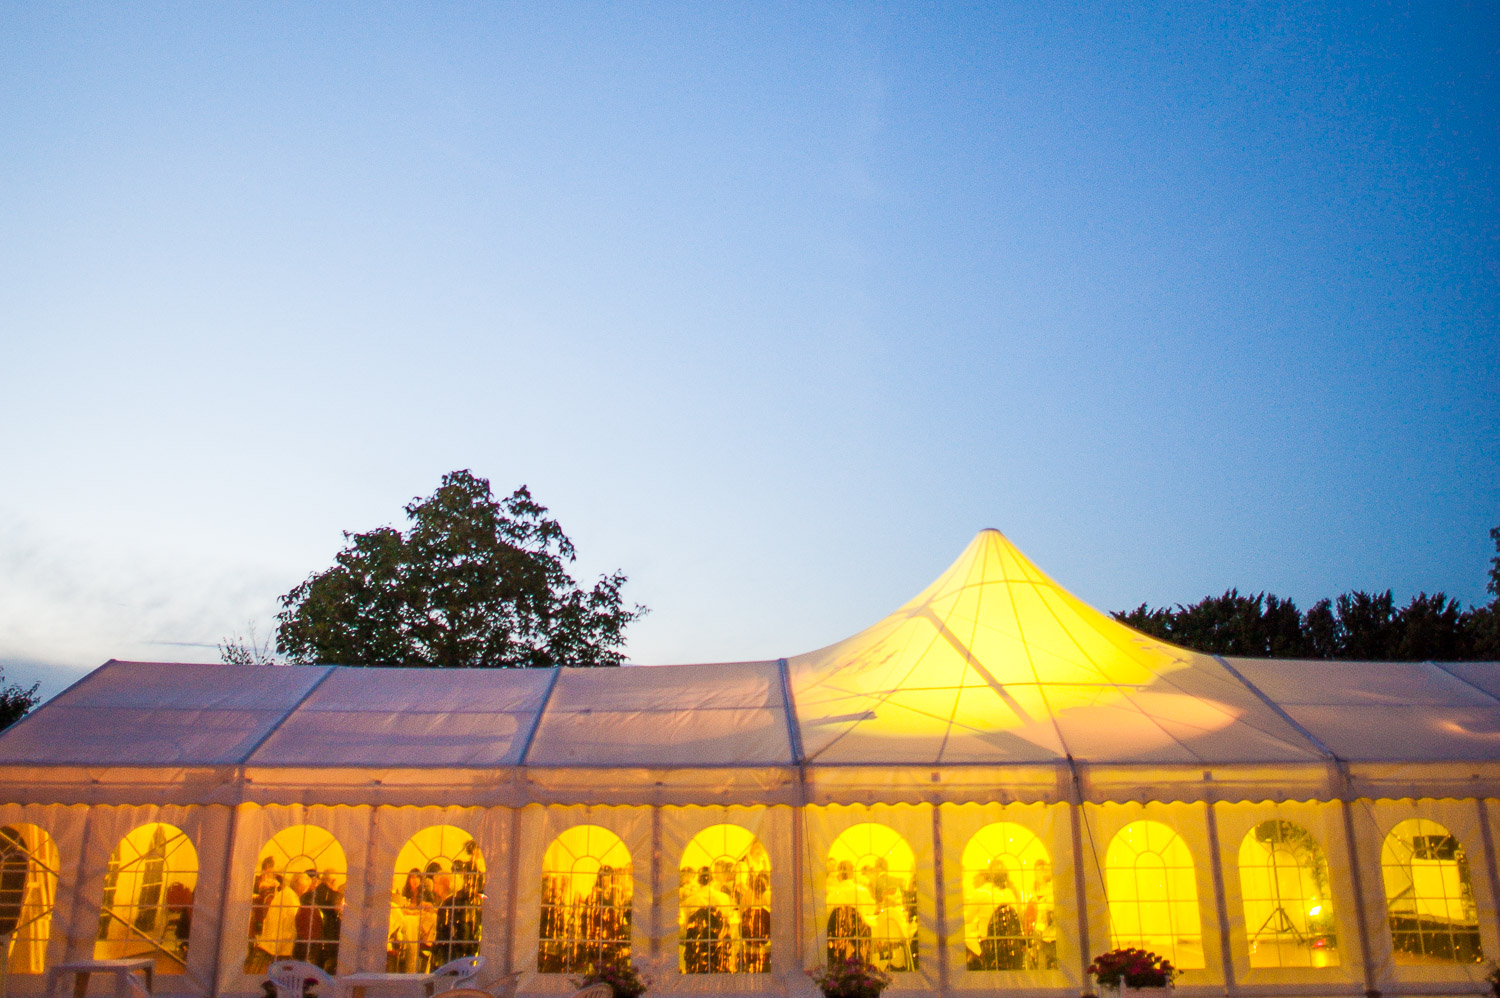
[(1315, 910)]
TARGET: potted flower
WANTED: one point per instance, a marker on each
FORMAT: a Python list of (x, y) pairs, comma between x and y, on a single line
[(1132, 968), (623, 979), (851, 978)]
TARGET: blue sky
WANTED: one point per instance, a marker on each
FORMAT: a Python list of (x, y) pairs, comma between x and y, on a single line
[(774, 306)]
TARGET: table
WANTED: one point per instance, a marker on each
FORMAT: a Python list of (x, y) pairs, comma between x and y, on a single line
[(356, 985), (121, 969)]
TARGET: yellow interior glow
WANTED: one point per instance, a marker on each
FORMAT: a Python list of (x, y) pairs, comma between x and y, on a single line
[(1009, 906), (724, 903), (437, 900), (148, 898), (298, 899), (1153, 893), (587, 890), (1282, 874), (1429, 898), (868, 898), (28, 892)]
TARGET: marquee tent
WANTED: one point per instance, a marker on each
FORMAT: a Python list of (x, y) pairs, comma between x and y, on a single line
[(981, 791)]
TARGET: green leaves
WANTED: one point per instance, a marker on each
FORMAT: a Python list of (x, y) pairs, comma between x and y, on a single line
[(474, 582)]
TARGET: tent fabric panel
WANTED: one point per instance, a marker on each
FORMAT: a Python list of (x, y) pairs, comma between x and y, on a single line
[(720, 737), (1050, 824), (1485, 675), (913, 823), (98, 736), (1373, 820), (539, 826), (772, 828), (753, 685), (1404, 733), (193, 687), (67, 827), (1324, 821), (411, 737), (1359, 684), (1102, 822), (436, 691), (706, 786)]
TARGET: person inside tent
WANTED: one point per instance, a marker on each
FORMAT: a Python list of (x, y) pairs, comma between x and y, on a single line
[(992, 929), (851, 916), (277, 938), (709, 922), (755, 925), (1039, 920)]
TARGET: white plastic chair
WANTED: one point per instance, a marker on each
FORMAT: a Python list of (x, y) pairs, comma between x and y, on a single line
[(600, 990), (455, 973), (289, 976)]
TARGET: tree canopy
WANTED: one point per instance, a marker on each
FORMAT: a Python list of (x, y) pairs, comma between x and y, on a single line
[(16, 701), (473, 582), (1356, 625)]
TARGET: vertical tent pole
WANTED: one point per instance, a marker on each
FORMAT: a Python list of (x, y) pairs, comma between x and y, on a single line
[(1352, 845), (1487, 838), (371, 880), (232, 837), (1080, 887), (511, 889), (799, 812), (940, 905), (1221, 904), (656, 889)]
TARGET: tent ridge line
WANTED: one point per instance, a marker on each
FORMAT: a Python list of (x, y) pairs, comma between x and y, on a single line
[(244, 760), (1339, 763), (793, 729), (536, 722), (1474, 686)]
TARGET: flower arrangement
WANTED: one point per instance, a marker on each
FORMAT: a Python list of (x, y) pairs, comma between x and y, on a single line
[(1132, 968), (851, 978), (1493, 979), (623, 979)]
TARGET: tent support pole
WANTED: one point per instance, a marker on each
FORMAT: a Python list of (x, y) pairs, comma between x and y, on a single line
[(799, 815), (229, 847), (1487, 839), (372, 880), (1360, 916), (940, 899), (1075, 827), (512, 888), (1221, 903), (656, 889), (799, 845)]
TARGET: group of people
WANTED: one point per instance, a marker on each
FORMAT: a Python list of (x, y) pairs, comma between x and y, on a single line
[(1009, 925), (583, 929), (724, 919), (435, 915), (872, 915), (296, 914)]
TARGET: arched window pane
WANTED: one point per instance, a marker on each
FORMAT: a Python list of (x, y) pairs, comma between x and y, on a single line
[(1153, 893), (28, 890), (298, 907), (724, 909), (1009, 912), (1288, 908), (1428, 900), (870, 898), (437, 901), (148, 898), (586, 894)]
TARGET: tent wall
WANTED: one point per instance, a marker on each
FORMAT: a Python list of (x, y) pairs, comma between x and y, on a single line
[(513, 842)]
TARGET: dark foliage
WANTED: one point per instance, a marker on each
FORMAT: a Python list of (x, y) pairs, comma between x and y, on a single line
[(16, 701), (1358, 625), (474, 582)]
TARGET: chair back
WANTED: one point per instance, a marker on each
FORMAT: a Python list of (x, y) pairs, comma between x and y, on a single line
[(289, 976), (600, 990), (455, 972), (468, 993)]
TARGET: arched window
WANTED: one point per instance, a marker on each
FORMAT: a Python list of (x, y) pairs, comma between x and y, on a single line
[(1153, 893), (724, 904), (437, 900), (1288, 911), (298, 906), (586, 893), (871, 903), (28, 890), (148, 898), (1009, 913), (1428, 900)]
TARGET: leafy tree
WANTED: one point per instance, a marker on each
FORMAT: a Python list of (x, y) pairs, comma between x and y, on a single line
[(240, 650), (474, 582), (16, 702)]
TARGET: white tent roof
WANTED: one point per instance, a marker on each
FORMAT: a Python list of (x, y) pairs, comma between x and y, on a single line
[(994, 683)]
